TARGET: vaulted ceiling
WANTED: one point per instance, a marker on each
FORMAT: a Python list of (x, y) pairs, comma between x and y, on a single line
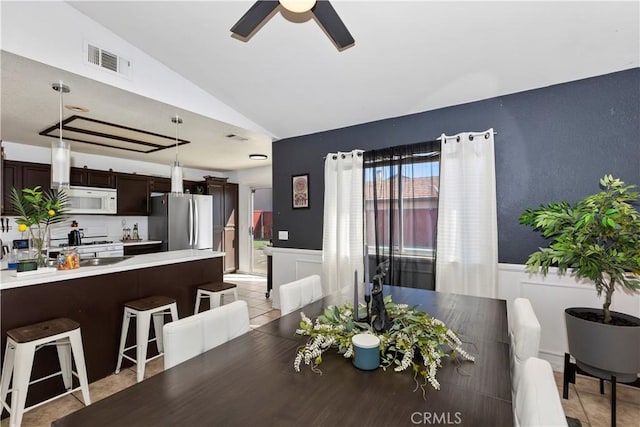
[(409, 56)]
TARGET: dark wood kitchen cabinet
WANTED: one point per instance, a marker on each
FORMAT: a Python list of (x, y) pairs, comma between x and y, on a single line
[(34, 174), (78, 176), (163, 185), (217, 191), (195, 187), (10, 178), (93, 178), (133, 194), (225, 220), (133, 190), (142, 249), (22, 175), (103, 179), (159, 185)]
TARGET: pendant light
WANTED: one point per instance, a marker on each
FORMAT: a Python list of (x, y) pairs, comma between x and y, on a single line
[(176, 169), (60, 150)]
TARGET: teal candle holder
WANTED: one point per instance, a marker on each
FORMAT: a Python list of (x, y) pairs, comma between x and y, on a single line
[(366, 351)]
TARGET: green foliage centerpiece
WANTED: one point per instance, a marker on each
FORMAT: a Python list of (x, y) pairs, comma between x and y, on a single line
[(414, 340), (38, 210), (598, 238)]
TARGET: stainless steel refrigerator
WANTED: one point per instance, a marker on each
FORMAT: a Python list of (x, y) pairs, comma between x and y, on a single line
[(181, 221)]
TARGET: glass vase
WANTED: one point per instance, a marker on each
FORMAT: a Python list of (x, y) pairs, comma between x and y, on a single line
[(39, 244)]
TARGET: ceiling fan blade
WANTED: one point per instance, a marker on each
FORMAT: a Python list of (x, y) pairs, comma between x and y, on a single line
[(332, 24), (254, 16)]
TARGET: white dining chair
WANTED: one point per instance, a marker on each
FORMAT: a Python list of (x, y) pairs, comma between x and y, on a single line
[(537, 401), (193, 335), (297, 294), (524, 332)]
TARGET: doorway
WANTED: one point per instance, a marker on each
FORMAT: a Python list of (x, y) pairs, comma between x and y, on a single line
[(261, 228)]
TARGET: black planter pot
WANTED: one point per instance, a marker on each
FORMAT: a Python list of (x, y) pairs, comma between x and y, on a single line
[(604, 350)]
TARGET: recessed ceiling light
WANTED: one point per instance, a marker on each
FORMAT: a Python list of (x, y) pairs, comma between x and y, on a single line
[(76, 108), (236, 137), (258, 156)]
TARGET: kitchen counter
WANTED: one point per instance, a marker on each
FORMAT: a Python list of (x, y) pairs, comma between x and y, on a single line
[(95, 298), (135, 262), (140, 242)]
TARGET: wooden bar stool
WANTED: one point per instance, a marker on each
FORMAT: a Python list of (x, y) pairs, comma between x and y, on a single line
[(22, 344), (143, 310), (215, 291)]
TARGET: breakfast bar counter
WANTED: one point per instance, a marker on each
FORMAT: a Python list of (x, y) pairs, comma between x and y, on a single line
[(95, 297), (8, 281)]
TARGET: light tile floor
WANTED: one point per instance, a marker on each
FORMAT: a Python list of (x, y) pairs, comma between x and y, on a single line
[(584, 403), (594, 409)]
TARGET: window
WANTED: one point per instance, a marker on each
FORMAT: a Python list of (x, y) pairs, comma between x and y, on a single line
[(410, 205), (401, 187)]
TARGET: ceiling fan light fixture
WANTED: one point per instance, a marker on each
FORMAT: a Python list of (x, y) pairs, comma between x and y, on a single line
[(60, 150), (258, 156), (324, 13), (298, 6), (176, 170)]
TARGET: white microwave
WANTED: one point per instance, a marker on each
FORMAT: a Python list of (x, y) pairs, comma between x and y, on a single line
[(91, 200)]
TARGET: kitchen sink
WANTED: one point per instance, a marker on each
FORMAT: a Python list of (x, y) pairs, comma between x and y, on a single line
[(92, 262)]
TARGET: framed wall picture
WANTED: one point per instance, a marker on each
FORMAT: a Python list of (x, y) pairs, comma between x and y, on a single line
[(300, 191)]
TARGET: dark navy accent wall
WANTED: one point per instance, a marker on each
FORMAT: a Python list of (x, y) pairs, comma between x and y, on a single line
[(552, 144)]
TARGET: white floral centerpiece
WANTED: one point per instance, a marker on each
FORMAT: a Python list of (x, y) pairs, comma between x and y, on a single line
[(413, 333)]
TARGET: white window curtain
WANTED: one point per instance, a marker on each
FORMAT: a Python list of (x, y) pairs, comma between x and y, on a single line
[(467, 243), (342, 237)]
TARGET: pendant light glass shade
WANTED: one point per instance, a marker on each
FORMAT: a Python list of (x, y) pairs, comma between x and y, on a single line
[(176, 169), (60, 164), (176, 178), (60, 150)]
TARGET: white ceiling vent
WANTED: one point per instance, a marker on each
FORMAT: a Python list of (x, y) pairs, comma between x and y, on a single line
[(107, 60)]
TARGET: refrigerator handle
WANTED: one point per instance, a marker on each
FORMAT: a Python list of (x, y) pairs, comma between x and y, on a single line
[(190, 222), (196, 229)]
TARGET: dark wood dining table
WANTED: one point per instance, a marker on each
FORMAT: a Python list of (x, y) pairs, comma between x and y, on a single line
[(250, 381)]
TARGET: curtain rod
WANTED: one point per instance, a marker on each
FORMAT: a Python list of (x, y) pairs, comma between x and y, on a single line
[(471, 137), (360, 153)]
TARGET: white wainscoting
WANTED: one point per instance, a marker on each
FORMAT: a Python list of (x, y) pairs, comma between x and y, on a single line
[(549, 297), (293, 264)]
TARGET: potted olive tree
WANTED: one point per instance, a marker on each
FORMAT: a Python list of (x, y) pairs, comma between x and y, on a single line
[(598, 239)]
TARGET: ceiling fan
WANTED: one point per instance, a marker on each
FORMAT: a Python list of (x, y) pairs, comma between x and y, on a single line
[(321, 9)]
